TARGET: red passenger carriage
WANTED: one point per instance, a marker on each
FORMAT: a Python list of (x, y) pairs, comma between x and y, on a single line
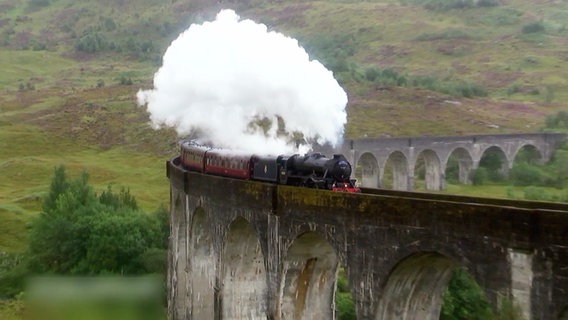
[(228, 163)]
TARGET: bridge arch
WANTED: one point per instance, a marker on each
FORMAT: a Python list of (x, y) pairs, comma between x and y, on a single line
[(309, 278), (533, 153), (433, 178), (495, 159), (397, 167), (415, 287), (367, 171), (243, 277), (464, 162)]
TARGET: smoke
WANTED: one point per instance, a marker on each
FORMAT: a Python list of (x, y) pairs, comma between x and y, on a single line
[(243, 87)]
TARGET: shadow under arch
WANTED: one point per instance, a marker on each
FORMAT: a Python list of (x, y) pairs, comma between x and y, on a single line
[(459, 166), (243, 278), (309, 279), (495, 161), (396, 172), (367, 171), (528, 153), (415, 287), (202, 268), (428, 163)]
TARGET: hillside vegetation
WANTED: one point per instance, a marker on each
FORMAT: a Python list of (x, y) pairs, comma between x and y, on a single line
[(71, 69)]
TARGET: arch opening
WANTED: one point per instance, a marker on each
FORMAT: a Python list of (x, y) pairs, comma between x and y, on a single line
[(430, 286), (428, 172), (367, 171), (244, 285), (493, 167), (309, 279), (459, 167), (528, 154), (396, 172)]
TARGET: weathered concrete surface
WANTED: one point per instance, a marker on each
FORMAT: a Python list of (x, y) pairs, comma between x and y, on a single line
[(241, 249)]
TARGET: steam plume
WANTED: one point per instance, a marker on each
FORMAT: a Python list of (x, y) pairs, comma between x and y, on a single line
[(220, 78)]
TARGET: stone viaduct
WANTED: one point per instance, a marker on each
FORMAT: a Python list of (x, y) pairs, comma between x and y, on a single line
[(247, 250), (402, 156)]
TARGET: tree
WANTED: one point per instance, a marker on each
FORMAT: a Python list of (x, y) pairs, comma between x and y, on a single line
[(464, 300), (79, 232)]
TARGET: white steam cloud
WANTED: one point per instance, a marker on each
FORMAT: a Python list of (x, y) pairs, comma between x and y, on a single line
[(219, 77)]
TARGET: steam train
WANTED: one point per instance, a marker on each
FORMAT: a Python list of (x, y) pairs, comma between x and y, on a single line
[(311, 170)]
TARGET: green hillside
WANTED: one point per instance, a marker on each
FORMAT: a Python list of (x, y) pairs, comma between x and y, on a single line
[(71, 69)]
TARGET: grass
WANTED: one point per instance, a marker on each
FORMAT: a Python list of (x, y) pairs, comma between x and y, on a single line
[(26, 179), (502, 191)]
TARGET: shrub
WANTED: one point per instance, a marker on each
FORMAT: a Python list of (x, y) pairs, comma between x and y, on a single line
[(557, 121), (479, 176), (91, 42), (124, 80), (487, 3), (537, 194), (447, 4), (38, 3), (344, 306), (343, 300), (525, 174), (79, 232), (372, 73), (463, 299), (533, 27), (13, 272)]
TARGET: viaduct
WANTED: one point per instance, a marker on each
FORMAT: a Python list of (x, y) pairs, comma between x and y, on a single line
[(403, 155), (247, 250)]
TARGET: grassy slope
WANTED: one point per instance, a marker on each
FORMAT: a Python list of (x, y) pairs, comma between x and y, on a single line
[(492, 51), (66, 119)]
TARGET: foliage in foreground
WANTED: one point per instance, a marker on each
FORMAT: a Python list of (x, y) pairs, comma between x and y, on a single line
[(81, 233), (343, 300), (464, 299)]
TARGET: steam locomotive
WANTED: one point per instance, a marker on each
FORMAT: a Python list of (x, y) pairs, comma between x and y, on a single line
[(312, 170)]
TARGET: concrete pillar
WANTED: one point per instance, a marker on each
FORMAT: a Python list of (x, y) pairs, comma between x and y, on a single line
[(521, 280)]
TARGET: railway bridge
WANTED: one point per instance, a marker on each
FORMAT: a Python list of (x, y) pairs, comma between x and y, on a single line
[(247, 250), (403, 155)]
